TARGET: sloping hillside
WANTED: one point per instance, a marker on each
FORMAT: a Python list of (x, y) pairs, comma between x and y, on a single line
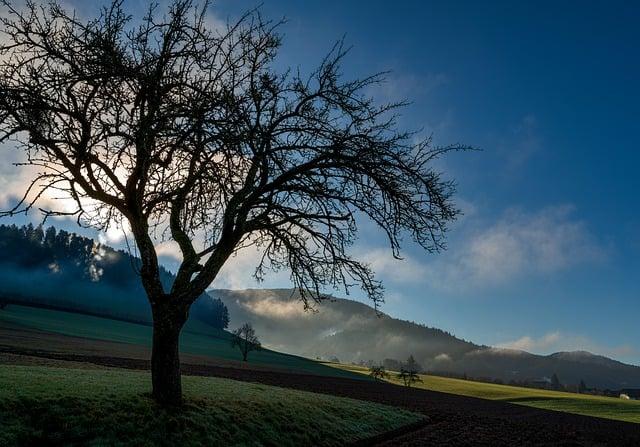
[(26, 329), (352, 332), (342, 328)]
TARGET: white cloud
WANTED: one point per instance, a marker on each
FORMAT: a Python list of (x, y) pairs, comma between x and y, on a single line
[(169, 249), (238, 272), (518, 244), (15, 181), (527, 343), (442, 358), (381, 260), (272, 307), (557, 341)]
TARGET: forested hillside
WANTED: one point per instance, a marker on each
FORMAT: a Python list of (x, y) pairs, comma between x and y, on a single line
[(55, 268)]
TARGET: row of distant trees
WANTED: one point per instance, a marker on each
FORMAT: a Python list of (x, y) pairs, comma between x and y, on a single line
[(390, 364), (407, 369), (553, 383), (407, 372)]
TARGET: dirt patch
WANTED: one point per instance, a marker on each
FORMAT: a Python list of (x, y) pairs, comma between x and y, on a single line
[(451, 420)]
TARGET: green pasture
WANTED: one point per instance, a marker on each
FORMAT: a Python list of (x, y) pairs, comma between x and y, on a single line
[(585, 404), (197, 337), (57, 406)]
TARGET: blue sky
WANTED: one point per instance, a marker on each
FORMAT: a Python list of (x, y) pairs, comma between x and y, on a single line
[(547, 255)]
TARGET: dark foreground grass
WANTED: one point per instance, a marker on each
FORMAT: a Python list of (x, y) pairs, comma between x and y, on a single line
[(56, 406)]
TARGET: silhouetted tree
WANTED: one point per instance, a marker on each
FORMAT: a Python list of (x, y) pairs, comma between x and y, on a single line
[(378, 372), (408, 377), (213, 312), (50, 237), (219, 314), (3, 304), (171, 126), (245, 339)]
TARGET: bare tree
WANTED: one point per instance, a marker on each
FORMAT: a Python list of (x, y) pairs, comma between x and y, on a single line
[(408, 377), (246, 340), (378, 372), (181, 131)]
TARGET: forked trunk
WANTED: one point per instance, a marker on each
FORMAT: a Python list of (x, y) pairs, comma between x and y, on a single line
[(165, 355)]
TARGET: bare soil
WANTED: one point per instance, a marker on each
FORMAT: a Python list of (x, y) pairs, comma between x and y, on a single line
[(450, 420)]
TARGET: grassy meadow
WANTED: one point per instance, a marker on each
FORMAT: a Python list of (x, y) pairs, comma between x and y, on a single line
[(585, 404), (59, 406), (197, 338)]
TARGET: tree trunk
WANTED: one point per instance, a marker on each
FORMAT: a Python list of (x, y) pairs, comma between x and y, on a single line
[(165, 355)]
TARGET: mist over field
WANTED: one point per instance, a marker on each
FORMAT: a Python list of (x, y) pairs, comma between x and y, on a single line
[(63, 270)]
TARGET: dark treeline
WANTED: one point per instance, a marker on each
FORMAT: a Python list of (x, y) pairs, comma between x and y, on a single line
[(58, 269)]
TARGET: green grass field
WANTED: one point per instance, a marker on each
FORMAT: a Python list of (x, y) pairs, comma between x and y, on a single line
[(57, 406), (197, 338), (586, 404)]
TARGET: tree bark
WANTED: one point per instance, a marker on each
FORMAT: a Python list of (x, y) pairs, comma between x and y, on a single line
[(165, 355)]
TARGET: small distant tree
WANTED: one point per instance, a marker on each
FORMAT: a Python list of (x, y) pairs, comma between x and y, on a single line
[(378, 372), (408, 377), (246, 340)]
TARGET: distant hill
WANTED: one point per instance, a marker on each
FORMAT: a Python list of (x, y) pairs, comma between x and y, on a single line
[(352, 332)]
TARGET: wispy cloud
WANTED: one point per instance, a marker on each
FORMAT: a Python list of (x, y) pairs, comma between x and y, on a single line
[(417, 88), (518, 244), (531, 344), (381, 260), (523, 142), (401, 86)]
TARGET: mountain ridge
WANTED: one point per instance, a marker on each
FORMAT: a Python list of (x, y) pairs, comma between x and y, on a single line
[(352, 332)]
